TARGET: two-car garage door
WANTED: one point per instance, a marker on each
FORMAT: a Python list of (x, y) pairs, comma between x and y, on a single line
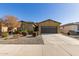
[(48, 29)]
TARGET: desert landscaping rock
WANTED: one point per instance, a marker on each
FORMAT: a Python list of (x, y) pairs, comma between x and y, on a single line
[(23, 40)]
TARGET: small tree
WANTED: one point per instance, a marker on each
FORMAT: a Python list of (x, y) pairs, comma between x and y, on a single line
[(11, 22)]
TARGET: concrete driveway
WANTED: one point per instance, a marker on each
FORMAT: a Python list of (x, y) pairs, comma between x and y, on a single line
[(54, 45), (59, 45)]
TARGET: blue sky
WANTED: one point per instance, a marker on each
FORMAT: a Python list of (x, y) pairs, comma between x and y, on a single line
[(64, 13)]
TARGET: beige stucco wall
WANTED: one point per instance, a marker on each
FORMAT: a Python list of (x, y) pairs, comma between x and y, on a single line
[(30, 27), (14, 29), (66, 29), (4, 29), (49, 23), (27, 26)]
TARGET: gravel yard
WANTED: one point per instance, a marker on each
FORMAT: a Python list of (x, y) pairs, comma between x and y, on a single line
[(23, 40)]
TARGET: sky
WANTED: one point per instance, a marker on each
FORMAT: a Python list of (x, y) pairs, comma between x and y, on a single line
[(37, 12)]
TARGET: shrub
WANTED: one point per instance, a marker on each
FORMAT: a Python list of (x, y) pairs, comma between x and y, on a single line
[(4, 34), (17, 32), (34, 34), (23, 32), (30, 31), (5, 38)]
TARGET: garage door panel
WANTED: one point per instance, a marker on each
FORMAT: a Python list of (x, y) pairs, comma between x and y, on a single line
[(48, 29)]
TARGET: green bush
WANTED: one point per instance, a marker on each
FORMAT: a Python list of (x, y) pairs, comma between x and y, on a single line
[(30, 31), (23, 32), (4, 34), (17, 32), (5, 38)]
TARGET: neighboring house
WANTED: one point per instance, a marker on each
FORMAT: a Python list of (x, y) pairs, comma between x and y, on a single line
[(49, 26), (26, 25), (12, 29), (70, 27), (3, 27)]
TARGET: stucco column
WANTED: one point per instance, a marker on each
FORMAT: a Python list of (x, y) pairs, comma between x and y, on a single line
[(39, 30), (58, 29)]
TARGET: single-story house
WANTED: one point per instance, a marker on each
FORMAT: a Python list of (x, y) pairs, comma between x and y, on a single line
[(49, 26), (4, 27), (70, 26)]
